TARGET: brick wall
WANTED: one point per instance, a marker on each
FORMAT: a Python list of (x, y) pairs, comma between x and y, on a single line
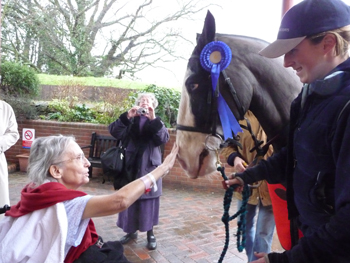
[(82, 133)]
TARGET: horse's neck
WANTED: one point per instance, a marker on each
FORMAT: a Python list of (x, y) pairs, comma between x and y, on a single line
[(274, 125), (271, 106)]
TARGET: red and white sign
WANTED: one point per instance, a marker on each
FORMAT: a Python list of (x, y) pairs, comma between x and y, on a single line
[(28, 137)]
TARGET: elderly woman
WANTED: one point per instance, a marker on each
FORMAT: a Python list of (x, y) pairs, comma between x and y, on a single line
[(52, 221), (145, 133)]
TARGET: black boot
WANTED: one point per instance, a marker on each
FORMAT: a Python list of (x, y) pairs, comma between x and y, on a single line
[(151, 240), (125, 239)]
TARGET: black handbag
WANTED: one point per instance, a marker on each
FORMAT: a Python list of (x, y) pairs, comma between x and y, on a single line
[(114, 164), (114, 159), (103, 252)]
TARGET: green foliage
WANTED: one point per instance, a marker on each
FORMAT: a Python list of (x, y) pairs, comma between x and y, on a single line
[(168, 100), (69, 110), (18, 80), (66, 111), (22, 106)]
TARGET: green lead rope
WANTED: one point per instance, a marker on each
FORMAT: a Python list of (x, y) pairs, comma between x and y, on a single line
[(241, 233)]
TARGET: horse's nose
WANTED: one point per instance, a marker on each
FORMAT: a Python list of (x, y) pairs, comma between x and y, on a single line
[(182, 162), (203, 154)]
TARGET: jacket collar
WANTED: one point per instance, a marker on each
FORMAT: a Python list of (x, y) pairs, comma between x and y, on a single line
[(333, 82), (329, 85)]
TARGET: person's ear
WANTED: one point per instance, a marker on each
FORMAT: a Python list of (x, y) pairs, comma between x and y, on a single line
[(329, 43), (55, 171)]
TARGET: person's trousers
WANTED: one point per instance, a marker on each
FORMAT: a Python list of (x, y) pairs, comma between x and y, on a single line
[(260, 226)]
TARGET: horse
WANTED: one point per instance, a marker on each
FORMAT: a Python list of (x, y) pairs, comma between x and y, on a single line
[(250, 82), (261, 85)]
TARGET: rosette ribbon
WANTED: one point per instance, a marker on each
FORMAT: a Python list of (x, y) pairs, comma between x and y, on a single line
[(215, 62)]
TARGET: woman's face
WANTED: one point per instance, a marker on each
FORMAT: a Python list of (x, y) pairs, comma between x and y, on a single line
[(308, 60), (145, 102), (74, 167)]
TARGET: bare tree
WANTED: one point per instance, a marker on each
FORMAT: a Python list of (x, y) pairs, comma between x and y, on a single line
[(95, 37)]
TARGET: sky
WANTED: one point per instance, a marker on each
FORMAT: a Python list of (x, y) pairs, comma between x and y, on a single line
[(256, 18)]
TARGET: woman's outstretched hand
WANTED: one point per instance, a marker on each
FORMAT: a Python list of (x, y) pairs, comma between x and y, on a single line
[(171, 157)]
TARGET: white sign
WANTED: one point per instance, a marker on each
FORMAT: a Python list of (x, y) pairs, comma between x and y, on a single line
[(28, 137)]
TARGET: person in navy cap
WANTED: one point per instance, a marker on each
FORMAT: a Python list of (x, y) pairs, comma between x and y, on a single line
[(315, 165)]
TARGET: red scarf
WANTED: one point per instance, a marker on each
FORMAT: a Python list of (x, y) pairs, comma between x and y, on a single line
[(47, 195)]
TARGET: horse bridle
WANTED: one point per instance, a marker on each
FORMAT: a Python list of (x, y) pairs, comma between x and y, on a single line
[(211, 131)]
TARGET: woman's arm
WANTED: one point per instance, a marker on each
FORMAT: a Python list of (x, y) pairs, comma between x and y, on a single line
[(118, 128), (272, 170), (105, 205)]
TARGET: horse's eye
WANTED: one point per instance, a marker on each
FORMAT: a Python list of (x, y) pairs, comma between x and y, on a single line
[(193, 86)]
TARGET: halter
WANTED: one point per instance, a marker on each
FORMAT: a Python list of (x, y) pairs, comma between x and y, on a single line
[(212, 104)]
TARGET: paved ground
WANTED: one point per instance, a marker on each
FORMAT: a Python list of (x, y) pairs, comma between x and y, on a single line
[(190, 228)]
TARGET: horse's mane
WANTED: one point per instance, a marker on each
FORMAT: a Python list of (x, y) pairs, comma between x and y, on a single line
[(254, 39)]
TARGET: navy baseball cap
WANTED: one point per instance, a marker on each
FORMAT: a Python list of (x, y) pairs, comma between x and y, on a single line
[(309, 17)]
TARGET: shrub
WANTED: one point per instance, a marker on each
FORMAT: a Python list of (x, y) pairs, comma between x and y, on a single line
[(19, 84), (18, 80), (69, 110)]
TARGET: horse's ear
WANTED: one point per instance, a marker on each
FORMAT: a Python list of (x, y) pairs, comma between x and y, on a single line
[(208, 32)]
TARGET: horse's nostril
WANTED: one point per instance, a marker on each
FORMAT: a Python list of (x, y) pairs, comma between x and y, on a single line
[(182, 163), (203, 154)]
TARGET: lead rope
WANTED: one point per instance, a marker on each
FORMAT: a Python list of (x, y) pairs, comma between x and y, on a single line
[(241, 233)]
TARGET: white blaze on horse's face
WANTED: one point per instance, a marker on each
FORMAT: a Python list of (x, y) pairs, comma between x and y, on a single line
[(193, 156)]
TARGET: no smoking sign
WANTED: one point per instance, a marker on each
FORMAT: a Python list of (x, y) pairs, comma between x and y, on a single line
[(28, 136)]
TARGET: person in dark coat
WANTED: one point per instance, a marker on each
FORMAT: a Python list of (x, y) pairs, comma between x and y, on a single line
[(314, 38), (146, 133)]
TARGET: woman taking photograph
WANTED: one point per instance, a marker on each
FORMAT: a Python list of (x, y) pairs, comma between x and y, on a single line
[(145, 133)]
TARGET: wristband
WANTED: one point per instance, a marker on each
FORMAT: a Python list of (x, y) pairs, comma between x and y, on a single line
[(151, 176), (146, 180)]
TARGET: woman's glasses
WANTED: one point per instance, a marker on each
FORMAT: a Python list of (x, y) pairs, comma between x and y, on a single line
[(80, 158)]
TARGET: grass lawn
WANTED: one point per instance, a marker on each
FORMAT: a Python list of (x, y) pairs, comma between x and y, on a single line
[(90, 81)]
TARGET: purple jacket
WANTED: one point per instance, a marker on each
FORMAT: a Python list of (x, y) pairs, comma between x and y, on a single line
[(143, 153)]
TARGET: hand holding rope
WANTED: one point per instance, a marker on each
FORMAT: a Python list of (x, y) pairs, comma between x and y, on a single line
[(226, 218)]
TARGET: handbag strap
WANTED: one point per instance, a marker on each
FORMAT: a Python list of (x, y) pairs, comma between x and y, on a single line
[(125, 138)]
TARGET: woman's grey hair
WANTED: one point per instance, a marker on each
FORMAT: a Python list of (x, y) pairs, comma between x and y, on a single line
[(149, 95), (44, 152)]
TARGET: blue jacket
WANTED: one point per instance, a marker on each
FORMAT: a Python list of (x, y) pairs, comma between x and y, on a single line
[(143, 153), (315, 167)]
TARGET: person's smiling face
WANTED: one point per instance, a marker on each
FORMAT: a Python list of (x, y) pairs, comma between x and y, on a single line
[(74, 167), (307, 60)]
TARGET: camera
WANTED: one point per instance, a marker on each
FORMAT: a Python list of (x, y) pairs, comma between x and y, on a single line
[(142, 111)]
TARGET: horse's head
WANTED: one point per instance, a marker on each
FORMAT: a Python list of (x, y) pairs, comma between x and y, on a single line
[(251, 75)]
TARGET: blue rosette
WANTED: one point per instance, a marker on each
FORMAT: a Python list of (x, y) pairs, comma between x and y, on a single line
[(208, 58), (215, 57)]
